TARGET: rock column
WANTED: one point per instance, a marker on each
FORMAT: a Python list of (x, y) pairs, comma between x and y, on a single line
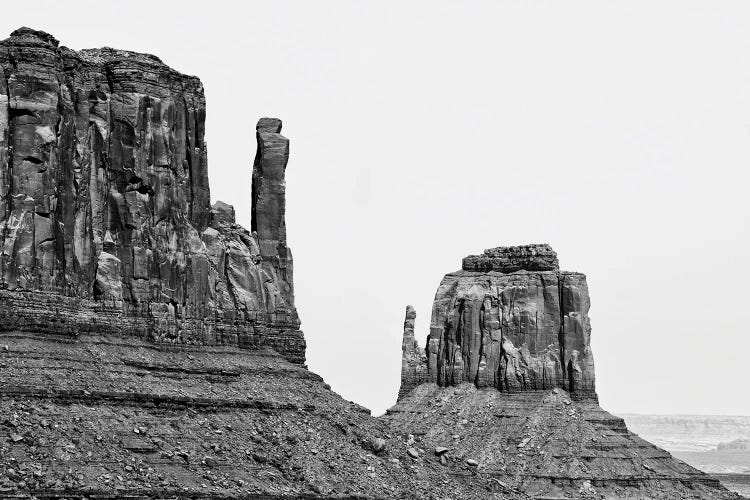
[(269, 200)]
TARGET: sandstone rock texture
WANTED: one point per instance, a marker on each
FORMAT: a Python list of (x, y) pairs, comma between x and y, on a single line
[(510, 319), (105, 217)]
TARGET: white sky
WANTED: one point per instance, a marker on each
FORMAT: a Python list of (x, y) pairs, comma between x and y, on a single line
[(618, 132)]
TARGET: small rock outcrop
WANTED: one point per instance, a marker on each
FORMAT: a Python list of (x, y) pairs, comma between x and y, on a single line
[(510, 319), (105, 217)]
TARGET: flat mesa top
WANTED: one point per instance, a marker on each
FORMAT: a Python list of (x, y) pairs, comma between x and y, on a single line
[(31, 46), (534, 257)]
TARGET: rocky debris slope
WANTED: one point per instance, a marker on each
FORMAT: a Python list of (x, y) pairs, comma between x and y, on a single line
[(510, 319), (105, 221), (506, 385), (110, 417), (545, 444)]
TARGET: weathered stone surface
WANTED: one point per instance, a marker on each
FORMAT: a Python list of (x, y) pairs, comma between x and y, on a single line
[(104, 200), (510, 320)]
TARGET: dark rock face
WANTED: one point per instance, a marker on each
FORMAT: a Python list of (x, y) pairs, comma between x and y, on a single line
[(510, 320), (105, 216)]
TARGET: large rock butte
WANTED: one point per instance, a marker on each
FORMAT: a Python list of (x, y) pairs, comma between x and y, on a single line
[(105, 217)]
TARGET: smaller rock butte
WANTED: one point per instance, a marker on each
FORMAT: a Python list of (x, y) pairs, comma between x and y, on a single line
[(510, 319)]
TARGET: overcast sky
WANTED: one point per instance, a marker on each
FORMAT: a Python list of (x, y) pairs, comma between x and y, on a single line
[(618, 132)]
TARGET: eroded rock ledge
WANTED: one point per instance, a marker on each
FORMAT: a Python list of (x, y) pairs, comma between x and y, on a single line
[(105, 217), (510, 319)]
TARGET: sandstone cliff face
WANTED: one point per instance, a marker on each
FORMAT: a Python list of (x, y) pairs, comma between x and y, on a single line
[(105, 216), (510, 319)]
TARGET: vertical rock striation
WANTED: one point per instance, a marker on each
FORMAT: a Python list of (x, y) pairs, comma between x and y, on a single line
[(105, 216), (510, 319)]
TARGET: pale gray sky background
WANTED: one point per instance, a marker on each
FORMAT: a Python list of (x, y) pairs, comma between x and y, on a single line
[(618, 132)]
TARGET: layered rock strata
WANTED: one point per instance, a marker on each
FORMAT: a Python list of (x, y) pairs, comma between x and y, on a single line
[(510, 319), (105, 217)]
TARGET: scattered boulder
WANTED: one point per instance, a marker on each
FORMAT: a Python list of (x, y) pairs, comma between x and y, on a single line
[(378, 445)]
